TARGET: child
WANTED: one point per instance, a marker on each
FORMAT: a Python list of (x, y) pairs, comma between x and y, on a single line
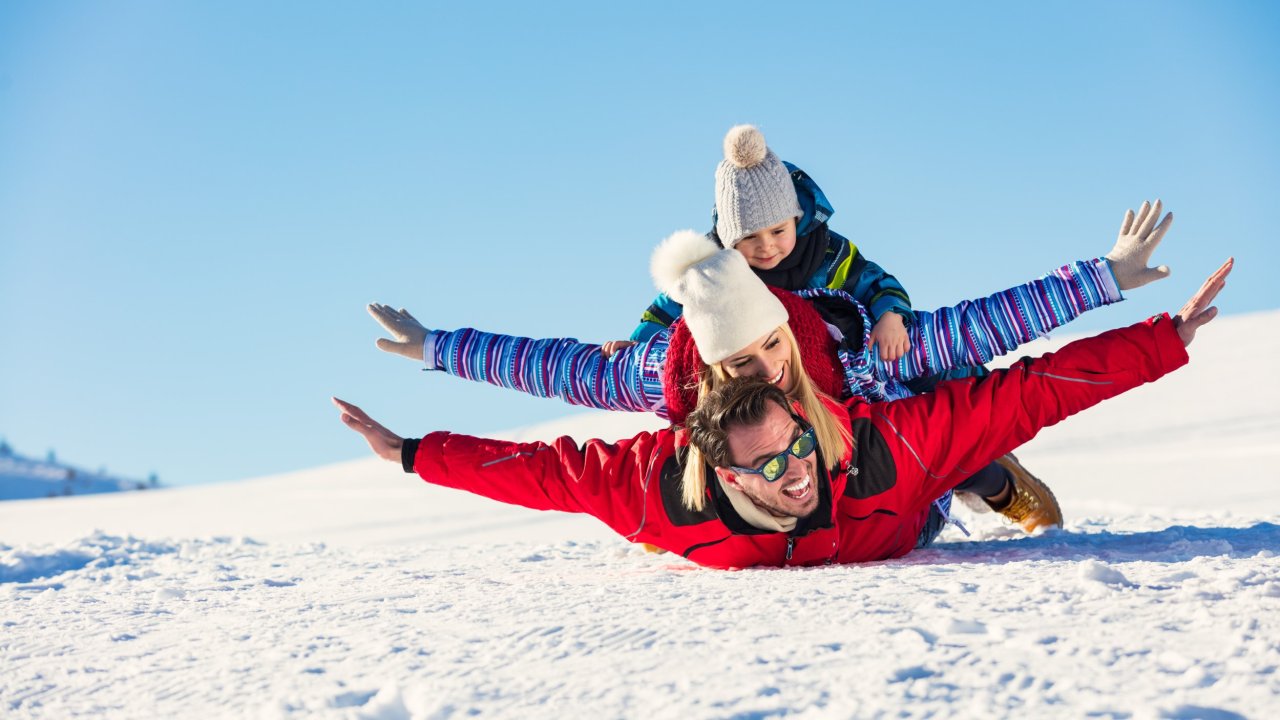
[(776, 216)]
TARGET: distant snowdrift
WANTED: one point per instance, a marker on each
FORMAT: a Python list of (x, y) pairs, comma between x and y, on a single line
[(23, 478)]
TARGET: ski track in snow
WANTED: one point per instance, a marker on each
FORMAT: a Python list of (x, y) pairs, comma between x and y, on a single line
[(366, 594)]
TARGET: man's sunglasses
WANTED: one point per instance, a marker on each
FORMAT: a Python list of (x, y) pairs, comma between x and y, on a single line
[(774, 467)]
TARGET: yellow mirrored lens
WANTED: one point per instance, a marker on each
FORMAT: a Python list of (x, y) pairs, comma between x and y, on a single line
[(802, 446), (774, 468)]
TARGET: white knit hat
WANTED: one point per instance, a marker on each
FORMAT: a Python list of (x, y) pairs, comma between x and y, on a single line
[(753, 188), (725, 305)]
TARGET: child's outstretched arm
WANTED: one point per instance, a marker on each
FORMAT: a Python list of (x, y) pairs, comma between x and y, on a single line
[(882, 295), (563, 368), (870, 285), (657, 317)]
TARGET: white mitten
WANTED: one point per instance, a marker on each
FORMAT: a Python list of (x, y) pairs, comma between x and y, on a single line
[(1138, 238), (409, 334)]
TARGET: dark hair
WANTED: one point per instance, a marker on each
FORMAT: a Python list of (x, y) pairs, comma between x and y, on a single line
[(739, 401)]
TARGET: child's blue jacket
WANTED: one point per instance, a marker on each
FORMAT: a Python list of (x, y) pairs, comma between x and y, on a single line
[(844, 267)]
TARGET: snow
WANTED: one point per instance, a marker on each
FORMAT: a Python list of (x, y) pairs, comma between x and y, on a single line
[(23, 478), (355, 591)]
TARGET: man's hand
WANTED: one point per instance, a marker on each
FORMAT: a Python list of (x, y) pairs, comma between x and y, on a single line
[(405, 328), (1197, 311), (613, 346), (1139, 236), (384, 443), (890, 335)]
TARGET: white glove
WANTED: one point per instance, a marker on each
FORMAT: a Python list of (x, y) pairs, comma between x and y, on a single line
[(409, 334), (1138, 238)]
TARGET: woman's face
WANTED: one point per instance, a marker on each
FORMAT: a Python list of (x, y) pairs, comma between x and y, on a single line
[(768, 357)]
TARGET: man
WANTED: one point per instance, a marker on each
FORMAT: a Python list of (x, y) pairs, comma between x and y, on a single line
[(774, 502)]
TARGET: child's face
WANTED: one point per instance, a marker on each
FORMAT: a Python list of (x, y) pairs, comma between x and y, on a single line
[(764, 249)]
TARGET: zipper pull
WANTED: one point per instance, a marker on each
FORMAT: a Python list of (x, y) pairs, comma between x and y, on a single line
[(791, 544)]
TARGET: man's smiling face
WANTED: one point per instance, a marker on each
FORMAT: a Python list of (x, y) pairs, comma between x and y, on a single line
[(795, 494)]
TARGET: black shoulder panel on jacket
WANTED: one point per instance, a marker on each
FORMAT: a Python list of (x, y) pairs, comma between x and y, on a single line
[(873, 470), (672, 502)]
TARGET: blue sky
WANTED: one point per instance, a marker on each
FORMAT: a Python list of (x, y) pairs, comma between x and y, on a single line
[(197, 200)]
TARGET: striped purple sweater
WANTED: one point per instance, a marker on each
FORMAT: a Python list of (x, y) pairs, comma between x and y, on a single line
[(970, 333)]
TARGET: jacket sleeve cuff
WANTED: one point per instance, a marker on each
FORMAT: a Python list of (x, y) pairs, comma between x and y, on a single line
[(429, 350), (886, 302), (409, 453), (1107, 283), (1172, 354), (908, 316)]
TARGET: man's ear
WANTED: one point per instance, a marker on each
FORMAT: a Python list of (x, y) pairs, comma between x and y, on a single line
[(728, 477)]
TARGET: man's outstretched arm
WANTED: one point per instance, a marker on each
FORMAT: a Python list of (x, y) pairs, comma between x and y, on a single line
[(941, 438), (606, 480)]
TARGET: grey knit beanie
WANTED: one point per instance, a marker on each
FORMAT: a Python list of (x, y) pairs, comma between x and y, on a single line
[(753, 187)]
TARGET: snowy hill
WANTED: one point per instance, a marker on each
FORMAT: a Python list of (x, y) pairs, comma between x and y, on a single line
[(24, 478), (357, 591)]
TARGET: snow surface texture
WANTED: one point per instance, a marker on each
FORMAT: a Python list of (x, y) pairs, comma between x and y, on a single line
[(354, 591)]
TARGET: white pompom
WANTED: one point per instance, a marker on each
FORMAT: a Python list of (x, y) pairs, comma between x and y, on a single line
[(675, 255), (744, 146)]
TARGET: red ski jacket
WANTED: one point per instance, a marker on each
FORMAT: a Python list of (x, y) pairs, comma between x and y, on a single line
[(907, 453)]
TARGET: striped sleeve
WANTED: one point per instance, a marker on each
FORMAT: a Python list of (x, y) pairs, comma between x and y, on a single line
[(975, 331), (563, 368)]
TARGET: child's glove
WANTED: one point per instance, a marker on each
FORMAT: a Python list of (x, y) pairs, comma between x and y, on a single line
[(1138, 239), (889, 337), (408, 332)]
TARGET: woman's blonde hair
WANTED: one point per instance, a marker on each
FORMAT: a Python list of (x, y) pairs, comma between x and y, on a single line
[(830, 431)]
